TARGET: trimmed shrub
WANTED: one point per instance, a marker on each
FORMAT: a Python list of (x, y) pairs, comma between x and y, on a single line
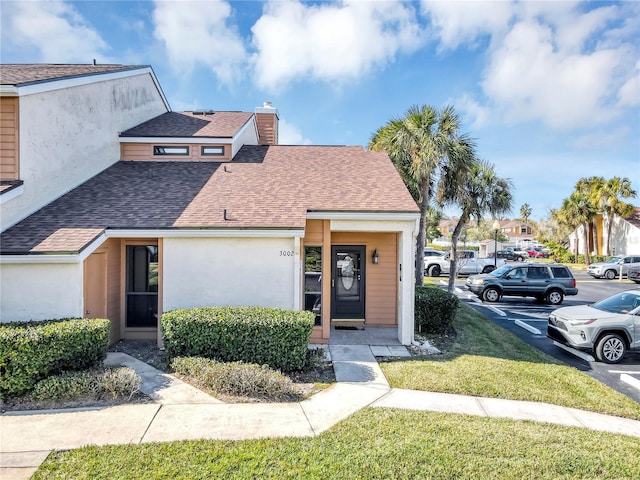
[(435, 310), (94, 384), (31, 351), (236, 378), (266, 336)]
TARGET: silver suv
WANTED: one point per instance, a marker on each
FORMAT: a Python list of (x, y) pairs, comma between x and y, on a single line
[(549, 282), (611, 268), (608, 328)]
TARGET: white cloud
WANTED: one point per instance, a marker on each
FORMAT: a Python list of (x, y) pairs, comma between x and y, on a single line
[(54, 29), (476, 115), (456, 23), (567, 64), (198, 33), (330, 41), (288, 134)]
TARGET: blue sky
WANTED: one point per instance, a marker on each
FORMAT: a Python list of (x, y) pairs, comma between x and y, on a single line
[(550, 90)]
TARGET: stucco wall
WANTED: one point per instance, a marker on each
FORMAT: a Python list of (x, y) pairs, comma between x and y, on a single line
[(40, 291), (249, 136), (230, 272), (71, 134)]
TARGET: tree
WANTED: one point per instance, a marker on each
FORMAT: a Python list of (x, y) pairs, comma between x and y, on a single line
[(525, 212), (591, 187), (477, 193), (609, 199), (424, 145), (578, 210)]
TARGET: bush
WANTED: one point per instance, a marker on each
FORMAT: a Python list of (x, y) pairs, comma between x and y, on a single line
[(271, 336), (94, 384), (435, 310), (236, 378), (31, 351)]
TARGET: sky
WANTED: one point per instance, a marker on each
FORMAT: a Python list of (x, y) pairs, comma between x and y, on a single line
[(549, 90)]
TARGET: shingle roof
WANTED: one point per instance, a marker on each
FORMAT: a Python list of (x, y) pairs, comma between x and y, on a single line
[(20, 74), (188, 124), (263, 187), (634, 218)]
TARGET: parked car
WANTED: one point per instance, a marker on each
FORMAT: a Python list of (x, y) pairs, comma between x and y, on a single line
[(511, 253), (536, 252), (634, 274), (546, 282), (608, 328), (612, 267), (468, 264)]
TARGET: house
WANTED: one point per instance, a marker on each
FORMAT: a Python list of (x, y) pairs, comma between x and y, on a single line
[(185, 209), (625, 235)]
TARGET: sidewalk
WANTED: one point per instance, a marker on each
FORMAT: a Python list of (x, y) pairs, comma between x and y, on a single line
[(182, 412)]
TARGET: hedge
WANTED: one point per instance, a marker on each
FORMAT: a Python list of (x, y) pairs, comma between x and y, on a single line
[(435, 310), (31, 351), (265, 336)]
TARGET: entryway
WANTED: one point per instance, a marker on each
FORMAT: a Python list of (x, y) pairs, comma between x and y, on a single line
[(348, 283)]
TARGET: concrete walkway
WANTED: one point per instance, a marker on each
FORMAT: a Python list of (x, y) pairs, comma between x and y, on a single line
[(182, 412)]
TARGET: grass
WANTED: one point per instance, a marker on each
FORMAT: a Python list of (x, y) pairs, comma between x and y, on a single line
[(487, 360), (371, 444)]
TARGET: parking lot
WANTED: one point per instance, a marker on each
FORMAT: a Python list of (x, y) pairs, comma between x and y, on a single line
[(527, 319)]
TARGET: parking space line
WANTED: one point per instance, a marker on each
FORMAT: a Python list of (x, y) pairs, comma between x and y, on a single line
[(584, 356), (623, 371), (496, 310), (528, 327), (634, 382)]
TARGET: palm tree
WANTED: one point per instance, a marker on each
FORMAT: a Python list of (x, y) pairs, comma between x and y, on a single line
[(525, 212), (591, 186), (609, 199), (424, 145), (477, 193), (578, 210)]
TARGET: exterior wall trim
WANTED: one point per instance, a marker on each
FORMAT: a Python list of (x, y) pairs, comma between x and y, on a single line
[(385, 216), (172, 140), (199, 233), (11, 194)]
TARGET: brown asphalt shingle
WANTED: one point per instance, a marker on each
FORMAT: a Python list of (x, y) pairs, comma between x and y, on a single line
[(20, 74), (263, 187), (186, 124)]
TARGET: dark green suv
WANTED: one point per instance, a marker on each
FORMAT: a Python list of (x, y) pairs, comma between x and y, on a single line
[(549, 282)]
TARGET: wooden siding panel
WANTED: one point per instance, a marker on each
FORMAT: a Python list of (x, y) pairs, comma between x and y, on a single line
[(382, 282), (9, 139), (313, 232), (144, 152), (111, 248)]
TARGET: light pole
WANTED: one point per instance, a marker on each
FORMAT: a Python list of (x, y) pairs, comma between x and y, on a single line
[(496, 227)]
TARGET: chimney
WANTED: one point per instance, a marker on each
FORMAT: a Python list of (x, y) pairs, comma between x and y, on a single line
[(267, 122)]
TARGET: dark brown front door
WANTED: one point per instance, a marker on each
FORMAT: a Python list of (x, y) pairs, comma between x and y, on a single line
[(348, 282)]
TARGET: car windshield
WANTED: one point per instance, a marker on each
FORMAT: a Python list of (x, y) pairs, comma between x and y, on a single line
[(622, 302), (613, 260), (499, 272)]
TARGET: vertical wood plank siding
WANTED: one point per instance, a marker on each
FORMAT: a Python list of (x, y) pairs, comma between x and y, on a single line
[(9, 139)]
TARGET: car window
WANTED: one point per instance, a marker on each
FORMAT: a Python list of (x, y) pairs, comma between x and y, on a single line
[(623, 302), (499, 272), (520, 272), (613, 260), (561, 272), (538, 272)]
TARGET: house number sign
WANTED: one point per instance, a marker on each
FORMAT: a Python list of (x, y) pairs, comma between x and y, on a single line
[(286, 253)]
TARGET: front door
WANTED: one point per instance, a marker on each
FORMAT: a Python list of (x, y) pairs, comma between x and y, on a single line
[(347, 282), (142, 286)]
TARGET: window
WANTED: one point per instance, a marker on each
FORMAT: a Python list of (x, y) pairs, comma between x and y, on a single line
[(166, 150), (560, 272), (217, 150), (313, 282)]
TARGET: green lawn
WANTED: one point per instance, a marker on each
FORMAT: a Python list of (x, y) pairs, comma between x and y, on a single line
[(487, 360), (372, 444)]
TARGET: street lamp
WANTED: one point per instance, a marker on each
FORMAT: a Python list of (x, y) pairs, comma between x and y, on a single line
[(496, 227)]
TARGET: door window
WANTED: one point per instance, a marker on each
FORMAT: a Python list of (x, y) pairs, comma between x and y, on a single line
[(313, 282), (142, 286)]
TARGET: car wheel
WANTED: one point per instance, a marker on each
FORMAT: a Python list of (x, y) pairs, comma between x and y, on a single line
[(610, 274), (635, 281), (554, 297), (491, 294), (434, 271), (520, 259), (610, 348)]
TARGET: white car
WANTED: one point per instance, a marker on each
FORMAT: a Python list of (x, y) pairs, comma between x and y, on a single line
[(611, 268), (608, 328)]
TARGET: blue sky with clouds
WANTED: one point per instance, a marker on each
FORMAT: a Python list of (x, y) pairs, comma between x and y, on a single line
[(550, 90)]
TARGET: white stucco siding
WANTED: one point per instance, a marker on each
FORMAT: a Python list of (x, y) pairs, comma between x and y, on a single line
[(40, 291), (230, 272), (248, 136), (71, 134)]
